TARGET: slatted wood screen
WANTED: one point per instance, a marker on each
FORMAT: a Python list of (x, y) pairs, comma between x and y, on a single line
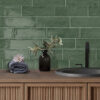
[(94, 91), (11, 91), (55, 92)]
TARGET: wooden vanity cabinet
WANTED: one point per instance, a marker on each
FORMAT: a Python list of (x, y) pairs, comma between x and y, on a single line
[(94, 91), (55, 91), (9, 91)]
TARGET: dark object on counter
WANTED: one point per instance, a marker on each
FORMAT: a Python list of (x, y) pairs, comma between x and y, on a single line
[(44, 61), (17, 67)]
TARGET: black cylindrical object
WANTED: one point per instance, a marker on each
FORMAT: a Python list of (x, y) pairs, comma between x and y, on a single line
[(87, 50), (44, 61)]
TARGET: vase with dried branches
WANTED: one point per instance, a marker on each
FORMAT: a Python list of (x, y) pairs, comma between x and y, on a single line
[(44, 59)]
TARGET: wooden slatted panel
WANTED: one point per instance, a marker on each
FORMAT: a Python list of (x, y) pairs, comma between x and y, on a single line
[(55, 92), (11, 92), (94, 91)]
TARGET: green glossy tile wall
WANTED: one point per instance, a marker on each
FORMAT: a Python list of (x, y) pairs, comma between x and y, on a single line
[(23, 22)]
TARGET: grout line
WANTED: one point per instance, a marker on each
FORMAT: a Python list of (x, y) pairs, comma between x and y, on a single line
[(80, 35), (62, 54), (96, 54), (69, 63), (48, 27), (47, 38), (46, 34), (65, 3), (88, 11), (55, 16), (32, 3), (69, 21), (21, 11), (75, 43)]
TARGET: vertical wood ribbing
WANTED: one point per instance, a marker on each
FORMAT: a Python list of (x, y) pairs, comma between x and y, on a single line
[(56, 92), (11, 92), (93, 91)]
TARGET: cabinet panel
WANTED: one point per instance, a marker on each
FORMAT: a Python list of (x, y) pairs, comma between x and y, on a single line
[(11, 91), (55, 91), (94, 91)]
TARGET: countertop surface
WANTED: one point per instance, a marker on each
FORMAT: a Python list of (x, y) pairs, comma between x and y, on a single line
[(37, 76)]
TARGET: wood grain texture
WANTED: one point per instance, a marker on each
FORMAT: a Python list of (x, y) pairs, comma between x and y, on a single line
[(44, 77), (11, 91), (56, 91), (94, 91)]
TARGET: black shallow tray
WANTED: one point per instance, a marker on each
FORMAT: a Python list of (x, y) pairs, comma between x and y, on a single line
[(79, 72)]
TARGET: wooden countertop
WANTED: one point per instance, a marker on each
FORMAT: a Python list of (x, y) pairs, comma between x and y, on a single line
[(37, 76)]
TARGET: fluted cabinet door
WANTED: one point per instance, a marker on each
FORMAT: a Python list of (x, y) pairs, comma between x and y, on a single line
[(55, 91), (11, 91), (94, 91)]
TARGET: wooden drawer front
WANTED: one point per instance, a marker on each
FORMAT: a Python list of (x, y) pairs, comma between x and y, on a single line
[(55, 92), (11, 92), (94, 91)]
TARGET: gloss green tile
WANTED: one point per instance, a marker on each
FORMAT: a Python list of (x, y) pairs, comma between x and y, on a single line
[(68, 43), (1, 11), (48, 3), (20, 21), (75, 57), (1, 32), (63, 32), (16, 2), (94, 11), (2, 21), (4, 43), (98, 54), (32, 64), (92, 61), (85, 22), (37, 11), (71, 11), (12, 11), (82, 3), (52, 22), (94, 43), (31, 33), (8, 33), (90, 32), (23, 44), (9, 54)]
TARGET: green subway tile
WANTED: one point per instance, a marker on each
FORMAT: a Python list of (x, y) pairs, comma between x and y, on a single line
[(10, 11), (63, 32), (94, 11), (75, 57), (94, 43), (53, 22), (71, 11), (1, 11), (4, 43), (93, 61), (2, 21), (37, 11), (13, 11), (31, 33), (68, 43), (16, 2), (82, 3), (23, 44), (2, 32), (90, 32), (48, 3), (9, 54), (19, 22), (98, 54), (85, 22)]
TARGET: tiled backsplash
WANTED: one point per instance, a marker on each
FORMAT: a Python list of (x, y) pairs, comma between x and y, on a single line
[(25, 22)]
